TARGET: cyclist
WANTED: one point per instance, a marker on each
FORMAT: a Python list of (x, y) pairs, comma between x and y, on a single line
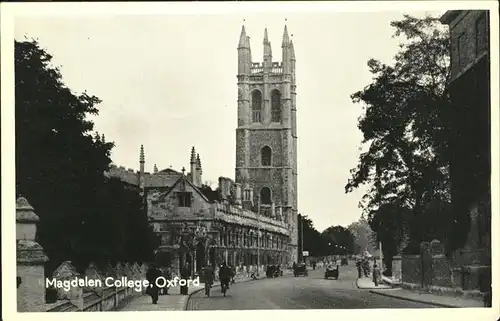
[(224, 276)]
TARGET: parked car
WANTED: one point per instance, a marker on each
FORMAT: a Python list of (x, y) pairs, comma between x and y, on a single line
[(300, 269), (332, 272)]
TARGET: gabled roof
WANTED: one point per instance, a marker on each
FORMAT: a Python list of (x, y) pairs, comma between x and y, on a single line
[(183, 178), (169, 171)]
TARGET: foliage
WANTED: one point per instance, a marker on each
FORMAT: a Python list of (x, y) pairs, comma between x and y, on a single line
[(60, 168), (363, 236), (388, 224), (339, 240), (212, 195), (406, 128), (313, 241)]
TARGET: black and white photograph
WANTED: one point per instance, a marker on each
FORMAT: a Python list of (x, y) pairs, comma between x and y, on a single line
[(231, 156)]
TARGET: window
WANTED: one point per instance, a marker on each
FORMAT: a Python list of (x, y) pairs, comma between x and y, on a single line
[(481, 34), (462, 51), (246, 195), (256, 106), (265, 156), (184, 199), (265, 196), (275, 106)]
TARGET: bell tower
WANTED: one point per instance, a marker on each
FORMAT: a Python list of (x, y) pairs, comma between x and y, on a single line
[(266, 136)]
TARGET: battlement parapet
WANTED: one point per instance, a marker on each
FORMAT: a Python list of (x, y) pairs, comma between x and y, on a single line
[(258, 68)]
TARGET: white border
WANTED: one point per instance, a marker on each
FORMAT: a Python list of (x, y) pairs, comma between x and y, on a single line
[(11, 10)]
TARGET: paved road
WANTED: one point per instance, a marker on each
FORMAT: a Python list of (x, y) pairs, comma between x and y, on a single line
[(287, 292)]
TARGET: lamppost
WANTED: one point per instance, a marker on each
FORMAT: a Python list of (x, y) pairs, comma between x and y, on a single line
[(302, 237), (258, 236)]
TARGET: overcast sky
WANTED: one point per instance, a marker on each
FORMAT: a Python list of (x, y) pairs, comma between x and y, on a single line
[(169, 82)]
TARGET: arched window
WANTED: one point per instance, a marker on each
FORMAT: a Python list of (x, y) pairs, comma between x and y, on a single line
[(275, 106), (256, 106), (265, 196), (265, 156)]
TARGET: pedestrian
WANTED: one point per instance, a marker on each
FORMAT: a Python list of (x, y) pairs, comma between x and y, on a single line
[(376, 274), (152, 275), (167, 274), (358, 267), (208, 275), (185, 275)]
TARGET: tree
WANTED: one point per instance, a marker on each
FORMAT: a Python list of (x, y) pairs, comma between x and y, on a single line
[(339, 239), (388, 224), (313, 241), (363, 236), (406, 127), (124, 228), (60, 165)]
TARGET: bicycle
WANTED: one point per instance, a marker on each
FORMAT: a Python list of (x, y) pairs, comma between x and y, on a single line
[(224, 287), (208, 286)]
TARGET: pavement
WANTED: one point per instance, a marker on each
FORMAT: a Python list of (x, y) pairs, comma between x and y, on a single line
[(303, 292), (367, 283), (443, 301), (174, 301)]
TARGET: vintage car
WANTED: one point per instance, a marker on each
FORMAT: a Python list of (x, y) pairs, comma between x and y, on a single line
[(273, 271), (332, 272), (300, 269)]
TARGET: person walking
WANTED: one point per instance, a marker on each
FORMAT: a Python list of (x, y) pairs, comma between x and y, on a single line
[(376, 274), (358, 267), (185, 275), (152, 275), (167, 274), (209, 276)]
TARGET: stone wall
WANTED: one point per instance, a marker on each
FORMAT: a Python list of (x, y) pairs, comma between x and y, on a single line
[(434, 272), (469, 39), (95, 296), (33, 288)]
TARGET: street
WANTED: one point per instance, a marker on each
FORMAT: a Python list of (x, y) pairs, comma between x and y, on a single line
[(288, 292)]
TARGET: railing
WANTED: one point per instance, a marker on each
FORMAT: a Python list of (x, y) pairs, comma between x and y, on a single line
[(257, 70), (276, 70), (253, 218)]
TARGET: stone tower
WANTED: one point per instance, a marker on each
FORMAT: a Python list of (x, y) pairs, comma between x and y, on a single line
[(266, 136)]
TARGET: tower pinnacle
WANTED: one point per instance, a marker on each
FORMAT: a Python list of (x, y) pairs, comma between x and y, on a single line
[(141, 156), (267, 47), (198, 163), (286, 38), (244, 43), (193, 156)]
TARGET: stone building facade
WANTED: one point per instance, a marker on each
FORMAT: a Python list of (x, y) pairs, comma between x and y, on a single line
[(469, 89), (200, 226), (266, 136), (253, 219)]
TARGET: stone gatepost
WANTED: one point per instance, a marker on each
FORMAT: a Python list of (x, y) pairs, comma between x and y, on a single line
[(30, 260), (65, 273), (96, 279)]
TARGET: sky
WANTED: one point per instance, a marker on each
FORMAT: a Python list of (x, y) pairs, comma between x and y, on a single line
[(169, 82)]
